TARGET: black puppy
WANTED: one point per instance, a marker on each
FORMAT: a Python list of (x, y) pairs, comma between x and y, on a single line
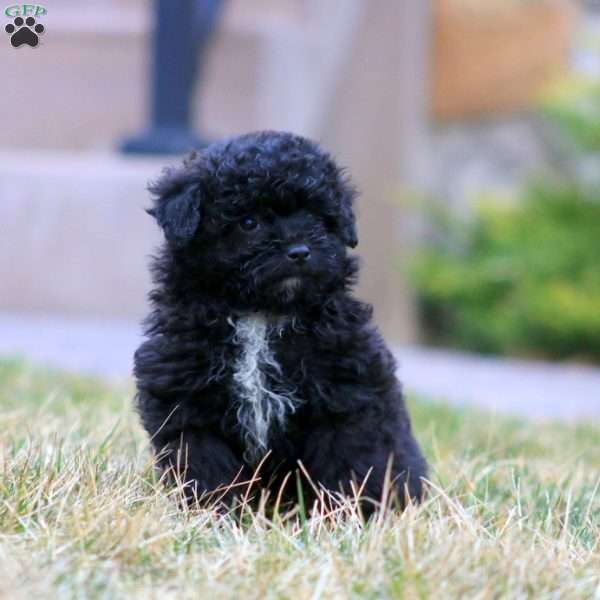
[(254, 341)]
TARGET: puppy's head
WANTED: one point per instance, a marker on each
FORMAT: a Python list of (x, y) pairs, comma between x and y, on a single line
[(262, 220)]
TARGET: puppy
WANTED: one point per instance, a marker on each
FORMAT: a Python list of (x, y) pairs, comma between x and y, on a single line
[(255, 345)]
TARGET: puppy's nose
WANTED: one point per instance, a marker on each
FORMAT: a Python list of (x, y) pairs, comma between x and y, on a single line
[(298, 253)]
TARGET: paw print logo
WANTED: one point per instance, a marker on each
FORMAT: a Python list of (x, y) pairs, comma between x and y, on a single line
[(24, 32)]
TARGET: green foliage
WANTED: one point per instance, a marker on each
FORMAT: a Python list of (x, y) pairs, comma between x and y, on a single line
[(574, 107), (518, 278), (524, 278)]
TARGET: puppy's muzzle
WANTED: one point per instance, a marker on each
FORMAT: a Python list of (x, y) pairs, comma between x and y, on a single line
[(298, 253)]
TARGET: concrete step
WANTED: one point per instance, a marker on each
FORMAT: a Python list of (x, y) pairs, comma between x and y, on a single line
[(334, 71), (76, 240), (86, 85), (74, 235)]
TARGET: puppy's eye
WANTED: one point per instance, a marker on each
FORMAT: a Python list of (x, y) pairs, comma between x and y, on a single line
[(330, 223), (248, 223)]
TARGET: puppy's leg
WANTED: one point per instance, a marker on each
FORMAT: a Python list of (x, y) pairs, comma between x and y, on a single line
[(342, 456), (206, 465)]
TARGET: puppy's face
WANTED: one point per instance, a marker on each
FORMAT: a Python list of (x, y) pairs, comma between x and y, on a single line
[(270, 257), (264, 222)]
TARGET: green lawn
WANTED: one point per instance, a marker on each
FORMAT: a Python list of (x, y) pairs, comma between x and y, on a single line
[(513, 511)]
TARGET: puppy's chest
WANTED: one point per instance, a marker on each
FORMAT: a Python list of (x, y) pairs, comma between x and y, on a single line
[(263, 394)]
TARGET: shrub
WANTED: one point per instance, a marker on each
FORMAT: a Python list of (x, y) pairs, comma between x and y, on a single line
[(573, 107), (518, 278)]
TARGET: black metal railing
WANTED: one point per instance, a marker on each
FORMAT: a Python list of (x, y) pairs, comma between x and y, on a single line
[(181, 36)]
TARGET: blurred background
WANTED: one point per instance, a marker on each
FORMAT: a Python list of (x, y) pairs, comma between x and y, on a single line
[(471, 127)]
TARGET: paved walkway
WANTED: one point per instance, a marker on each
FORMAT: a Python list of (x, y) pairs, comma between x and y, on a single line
[(528, 388), (533, 389)]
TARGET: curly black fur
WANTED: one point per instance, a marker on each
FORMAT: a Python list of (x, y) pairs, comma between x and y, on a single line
[(230, 216)]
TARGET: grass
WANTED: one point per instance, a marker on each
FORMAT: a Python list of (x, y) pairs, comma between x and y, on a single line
[(513, 511)]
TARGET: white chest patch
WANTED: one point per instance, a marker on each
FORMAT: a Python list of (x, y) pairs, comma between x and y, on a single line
[(261, 408)]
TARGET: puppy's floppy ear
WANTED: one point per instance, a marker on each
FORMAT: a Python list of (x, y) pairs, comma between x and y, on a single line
[(179, 215), (347, 224)]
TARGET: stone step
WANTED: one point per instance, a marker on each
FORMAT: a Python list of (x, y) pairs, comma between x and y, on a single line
[(86, 85), (76, 240), (75, 237)]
